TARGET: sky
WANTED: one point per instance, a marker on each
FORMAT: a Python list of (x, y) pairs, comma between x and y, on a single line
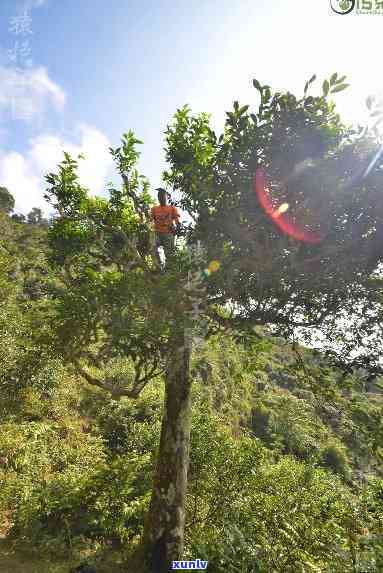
[(76, 74)]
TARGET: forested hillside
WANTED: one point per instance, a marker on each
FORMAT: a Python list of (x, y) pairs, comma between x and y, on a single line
[(286, 468), (191, 286)]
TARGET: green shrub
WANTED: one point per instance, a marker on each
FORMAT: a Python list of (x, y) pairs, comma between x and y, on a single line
[(246, 513), (334, 457), (108, 503), (36, 454), (371, 541), (61, 485), (287, 424), (260, 417), (131, 426)]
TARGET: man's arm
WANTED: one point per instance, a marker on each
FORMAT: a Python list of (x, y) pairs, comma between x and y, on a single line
[(152, 217), (176, 218)]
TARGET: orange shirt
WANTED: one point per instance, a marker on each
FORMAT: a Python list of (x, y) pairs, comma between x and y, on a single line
[(163, 217)]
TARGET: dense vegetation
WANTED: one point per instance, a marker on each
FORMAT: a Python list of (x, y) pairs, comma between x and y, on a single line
[(286, 458), (286, 442)]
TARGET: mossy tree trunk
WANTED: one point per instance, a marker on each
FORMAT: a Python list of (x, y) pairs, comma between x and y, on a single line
[(164, 528)]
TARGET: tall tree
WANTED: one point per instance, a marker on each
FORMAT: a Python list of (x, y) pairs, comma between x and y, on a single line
[(113, 302), (293, 235), (7, 201), (35, 217)]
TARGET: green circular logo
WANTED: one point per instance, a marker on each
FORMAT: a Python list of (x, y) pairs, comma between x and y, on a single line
[(342, 6)]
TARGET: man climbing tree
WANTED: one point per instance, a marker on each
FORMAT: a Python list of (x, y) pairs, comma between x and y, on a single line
[(297, 248), (164, 216)]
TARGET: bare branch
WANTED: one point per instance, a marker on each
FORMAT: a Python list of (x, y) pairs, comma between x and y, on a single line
[(91, 379), (117, 393)]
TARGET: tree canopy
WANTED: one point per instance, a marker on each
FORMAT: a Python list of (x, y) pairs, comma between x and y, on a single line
[(7, 201), (314, 165)]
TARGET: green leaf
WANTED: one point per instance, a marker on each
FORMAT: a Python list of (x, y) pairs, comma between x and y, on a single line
[(267, 94), (340, 80), (333, 78), (243, 109), (257, 85), (340, 88), (311, 80), (325, 87)]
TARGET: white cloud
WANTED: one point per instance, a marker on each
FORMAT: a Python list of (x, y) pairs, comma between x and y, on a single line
[(26, 94), (31, 4), (23, 174), (18, 176)]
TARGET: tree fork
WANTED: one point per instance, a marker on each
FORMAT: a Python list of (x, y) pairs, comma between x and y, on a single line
[(164, 527)]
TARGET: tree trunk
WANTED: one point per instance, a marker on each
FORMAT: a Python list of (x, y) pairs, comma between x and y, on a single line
[(164, 527)]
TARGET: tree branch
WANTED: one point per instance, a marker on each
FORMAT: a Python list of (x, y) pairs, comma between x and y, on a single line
[(117, 393)]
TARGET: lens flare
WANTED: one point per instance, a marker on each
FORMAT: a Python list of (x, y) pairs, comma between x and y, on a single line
[(283, 220), (214, 266), (281, 209), (361, 174), (373, 162)]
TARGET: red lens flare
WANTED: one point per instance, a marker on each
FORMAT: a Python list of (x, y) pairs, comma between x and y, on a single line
[(280, 214)]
